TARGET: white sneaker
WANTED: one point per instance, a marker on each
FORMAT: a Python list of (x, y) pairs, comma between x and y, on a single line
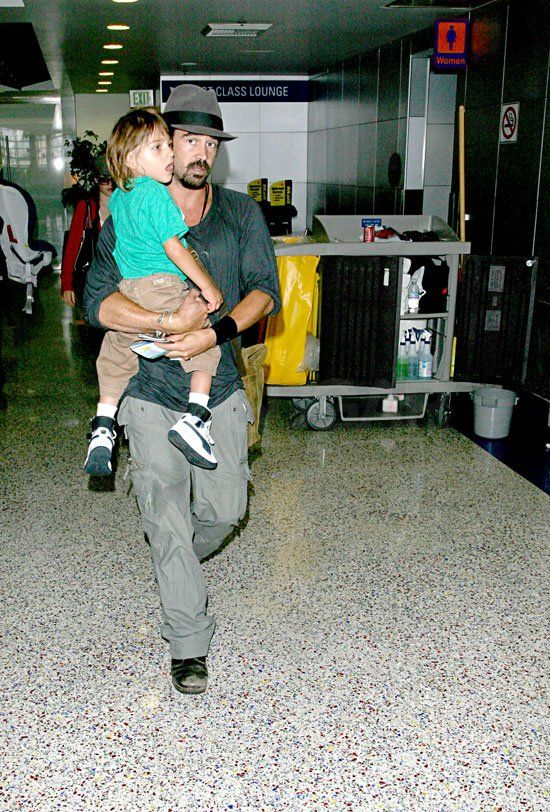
[(191, 434), (100, 449)]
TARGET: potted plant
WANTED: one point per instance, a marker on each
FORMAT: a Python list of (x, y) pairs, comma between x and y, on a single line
[(83, 153)]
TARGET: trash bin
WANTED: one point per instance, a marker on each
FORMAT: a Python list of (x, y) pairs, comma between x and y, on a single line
[(493, 412)]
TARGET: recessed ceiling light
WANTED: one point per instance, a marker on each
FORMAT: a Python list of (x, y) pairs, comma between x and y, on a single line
[(101, 90), (109, 61), (113, 46), (105, 83), (106, 73), (118, 27), (235, 29), (189, 64), (124, 1)]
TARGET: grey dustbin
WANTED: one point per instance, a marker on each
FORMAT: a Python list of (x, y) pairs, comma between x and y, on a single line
[(493, 412)]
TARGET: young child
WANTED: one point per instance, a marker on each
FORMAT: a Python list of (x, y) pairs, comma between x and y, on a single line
[(154, 263)]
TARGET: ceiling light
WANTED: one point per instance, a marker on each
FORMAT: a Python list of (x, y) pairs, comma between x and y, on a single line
[(124, 1), (113, 46), (235, 29), (106, 73), (189, 64), (118, 27), (109, 61), (105, 82), (101, 90)]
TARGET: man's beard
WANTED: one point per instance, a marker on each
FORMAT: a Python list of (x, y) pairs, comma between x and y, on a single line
[(188, 179)]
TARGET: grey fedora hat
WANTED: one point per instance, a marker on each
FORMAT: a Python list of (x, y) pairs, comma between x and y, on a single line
[(192, 108)]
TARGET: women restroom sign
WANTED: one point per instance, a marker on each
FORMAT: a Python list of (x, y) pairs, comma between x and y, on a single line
[(451, 44)]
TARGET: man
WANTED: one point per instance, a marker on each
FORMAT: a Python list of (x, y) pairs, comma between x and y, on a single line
[(228, 232)]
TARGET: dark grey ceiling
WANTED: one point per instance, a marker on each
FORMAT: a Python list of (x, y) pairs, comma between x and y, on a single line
[(307, 36)]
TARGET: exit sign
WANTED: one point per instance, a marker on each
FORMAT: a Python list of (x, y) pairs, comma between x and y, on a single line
[(142, 98)]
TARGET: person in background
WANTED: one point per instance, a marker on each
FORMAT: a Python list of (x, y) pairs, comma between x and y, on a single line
[(90, 212), (228, 231)]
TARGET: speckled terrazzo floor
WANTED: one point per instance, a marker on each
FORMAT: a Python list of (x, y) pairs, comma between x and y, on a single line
[(382, 620)]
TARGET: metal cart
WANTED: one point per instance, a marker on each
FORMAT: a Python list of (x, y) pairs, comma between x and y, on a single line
[(360, 296)]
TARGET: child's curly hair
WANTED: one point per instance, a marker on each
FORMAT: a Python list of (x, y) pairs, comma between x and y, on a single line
[(129, 132)]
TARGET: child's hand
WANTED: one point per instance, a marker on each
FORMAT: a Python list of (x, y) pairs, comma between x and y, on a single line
[(212, 296)]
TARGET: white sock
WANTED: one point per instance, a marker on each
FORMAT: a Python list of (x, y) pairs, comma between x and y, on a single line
[(197, 397), (106, 410)]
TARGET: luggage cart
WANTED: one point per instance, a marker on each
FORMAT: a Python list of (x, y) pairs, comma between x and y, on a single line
[(361, 321)]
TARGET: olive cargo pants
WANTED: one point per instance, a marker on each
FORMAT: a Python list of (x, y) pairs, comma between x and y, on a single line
[(181, 533)]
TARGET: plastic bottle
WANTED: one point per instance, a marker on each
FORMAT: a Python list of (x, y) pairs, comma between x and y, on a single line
[(413, 297), (402, 360), (413, 357), (425, 360)]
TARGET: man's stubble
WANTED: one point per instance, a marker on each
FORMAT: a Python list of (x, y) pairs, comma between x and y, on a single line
[(185, 175)]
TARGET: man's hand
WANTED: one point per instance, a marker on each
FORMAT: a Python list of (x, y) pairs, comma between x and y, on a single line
[(191, 344), (191, 315)]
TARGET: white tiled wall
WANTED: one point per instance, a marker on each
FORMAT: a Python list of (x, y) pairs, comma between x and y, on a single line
[(271, 143)]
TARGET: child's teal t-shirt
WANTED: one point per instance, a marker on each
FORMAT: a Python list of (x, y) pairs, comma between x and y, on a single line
[(144, 218)]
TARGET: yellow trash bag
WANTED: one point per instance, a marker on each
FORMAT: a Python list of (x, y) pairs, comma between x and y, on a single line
[(286, 332)]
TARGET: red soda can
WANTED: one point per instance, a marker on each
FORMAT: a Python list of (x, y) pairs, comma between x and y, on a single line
[(368, 234)]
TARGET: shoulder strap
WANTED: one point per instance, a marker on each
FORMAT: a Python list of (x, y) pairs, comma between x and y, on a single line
[(239, 361)]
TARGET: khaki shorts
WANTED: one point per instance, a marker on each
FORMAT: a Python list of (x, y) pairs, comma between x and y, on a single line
[(116, 363)]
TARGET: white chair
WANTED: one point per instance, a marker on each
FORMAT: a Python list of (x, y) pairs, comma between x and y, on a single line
[(24, 256)]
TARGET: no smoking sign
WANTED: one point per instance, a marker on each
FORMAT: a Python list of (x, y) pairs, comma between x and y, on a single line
[(509, 118)]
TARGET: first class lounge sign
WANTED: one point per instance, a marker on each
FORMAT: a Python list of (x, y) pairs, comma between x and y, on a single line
[(243, 90)]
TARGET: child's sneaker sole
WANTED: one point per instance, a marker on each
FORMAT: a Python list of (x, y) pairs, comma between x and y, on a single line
[(100, 447), (189, 452), (99, 463)]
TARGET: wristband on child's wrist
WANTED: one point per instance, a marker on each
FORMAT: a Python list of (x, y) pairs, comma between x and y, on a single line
[(225, 329)]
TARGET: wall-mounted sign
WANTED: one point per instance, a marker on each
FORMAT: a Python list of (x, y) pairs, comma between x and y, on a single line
[(509, 120), (243, 90), (450, 44), (142, 98)]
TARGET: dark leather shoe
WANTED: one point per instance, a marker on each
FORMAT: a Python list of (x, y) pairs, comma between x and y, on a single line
[(189, 676)]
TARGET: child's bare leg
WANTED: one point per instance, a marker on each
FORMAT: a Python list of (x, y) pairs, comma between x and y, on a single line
[(200, 385), (108, 400)]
